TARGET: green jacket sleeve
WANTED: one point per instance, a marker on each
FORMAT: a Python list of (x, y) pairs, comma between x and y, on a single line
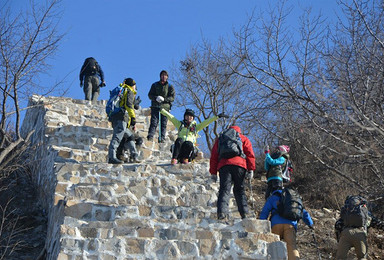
[(171, 118), (205, 123)]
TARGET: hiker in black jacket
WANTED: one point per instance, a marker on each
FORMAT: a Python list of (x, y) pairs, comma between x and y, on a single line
[(89, 77)]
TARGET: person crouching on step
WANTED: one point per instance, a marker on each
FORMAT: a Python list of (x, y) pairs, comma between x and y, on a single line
[(184, 149)]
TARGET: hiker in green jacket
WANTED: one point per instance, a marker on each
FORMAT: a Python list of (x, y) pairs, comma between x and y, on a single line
[(184, 148)]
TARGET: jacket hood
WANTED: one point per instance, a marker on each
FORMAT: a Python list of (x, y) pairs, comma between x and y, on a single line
[(237, 129)]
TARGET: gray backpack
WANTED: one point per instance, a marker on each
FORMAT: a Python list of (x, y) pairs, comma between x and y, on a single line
[(230, 144)]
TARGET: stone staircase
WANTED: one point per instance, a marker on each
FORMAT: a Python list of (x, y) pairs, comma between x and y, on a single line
[(150, 210)]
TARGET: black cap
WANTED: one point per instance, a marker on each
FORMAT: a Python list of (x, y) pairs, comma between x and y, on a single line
[(189, 112), (129, 82)]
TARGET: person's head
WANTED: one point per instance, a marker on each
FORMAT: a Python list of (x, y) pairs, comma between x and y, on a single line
[(189, 115), (163, 76), (130, 82)]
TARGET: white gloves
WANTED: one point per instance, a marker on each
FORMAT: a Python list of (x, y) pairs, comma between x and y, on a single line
[(159, 99)]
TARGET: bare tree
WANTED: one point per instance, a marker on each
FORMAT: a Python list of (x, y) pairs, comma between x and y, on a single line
[(211, 87), (27, 40), (326, 83), (317, 87)]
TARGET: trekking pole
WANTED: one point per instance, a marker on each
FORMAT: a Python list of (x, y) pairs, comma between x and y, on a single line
[(250, 188), (159, 139), (316, 244)]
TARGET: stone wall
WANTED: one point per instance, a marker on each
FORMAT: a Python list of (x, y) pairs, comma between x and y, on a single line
[(150, 210)]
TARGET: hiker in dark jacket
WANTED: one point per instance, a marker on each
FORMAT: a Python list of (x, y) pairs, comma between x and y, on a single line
[(232, 170), (89, 77), (283, 227), (133, 142), (275, 165), (351, 234), (121, 122), (161, 94)]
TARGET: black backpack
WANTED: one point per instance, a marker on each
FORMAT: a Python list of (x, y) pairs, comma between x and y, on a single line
[(290, 205), (90, 66), (354, 213), (230, 144)]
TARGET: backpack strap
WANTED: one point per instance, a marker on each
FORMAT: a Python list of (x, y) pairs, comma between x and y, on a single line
[(240, 145)]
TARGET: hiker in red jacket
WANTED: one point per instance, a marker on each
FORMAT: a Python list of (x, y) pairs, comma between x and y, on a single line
[(232, 170)]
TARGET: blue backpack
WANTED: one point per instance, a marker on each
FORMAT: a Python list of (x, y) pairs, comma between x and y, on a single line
[(113, 104)]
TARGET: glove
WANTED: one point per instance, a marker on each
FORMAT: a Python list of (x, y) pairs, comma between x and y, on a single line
[(249, 175), (136, 103), (214, 178), (81, 84), (133, 121), (159, 99), (102, 84), (266, 149), (221, 115)]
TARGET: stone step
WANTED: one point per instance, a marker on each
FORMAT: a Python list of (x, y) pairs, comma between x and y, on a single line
[(89, 211), (143, 239), (97, 151), (163, 191), (104, 173)]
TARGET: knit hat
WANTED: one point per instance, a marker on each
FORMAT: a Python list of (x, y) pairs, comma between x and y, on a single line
[(189, 112), (284, 148), (129, 82)]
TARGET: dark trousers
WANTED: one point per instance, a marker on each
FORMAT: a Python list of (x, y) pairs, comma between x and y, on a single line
[(272, 186), (183, 150), (229, 174), (155, 111)]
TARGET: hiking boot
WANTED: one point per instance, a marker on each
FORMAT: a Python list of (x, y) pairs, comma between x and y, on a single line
[(134, 160), (221, 216), (121, 157), (150, 138), (174, 161), (185, 161), (244, 215), (115, 161)]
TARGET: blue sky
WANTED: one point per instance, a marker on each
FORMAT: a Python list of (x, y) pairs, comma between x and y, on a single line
[(139, 38)]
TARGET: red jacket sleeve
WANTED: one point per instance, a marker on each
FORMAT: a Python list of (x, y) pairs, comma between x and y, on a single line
[(250, 156), (214, 161)]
